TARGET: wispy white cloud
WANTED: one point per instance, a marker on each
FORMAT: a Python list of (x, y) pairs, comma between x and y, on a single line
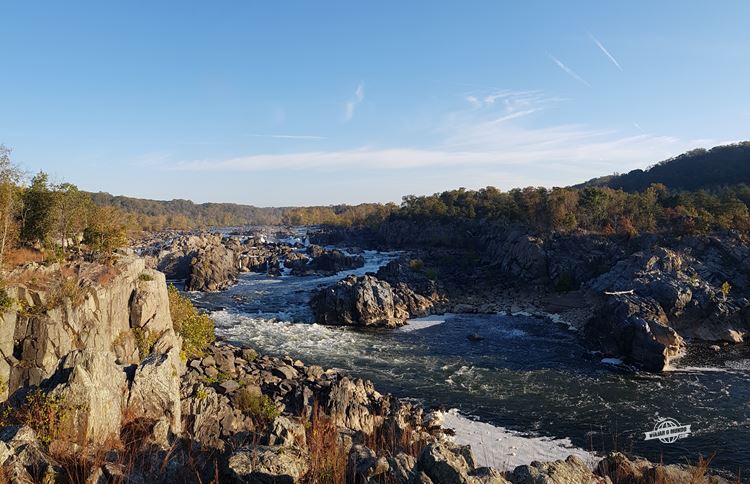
[(507, 99), (502, 137), (568, 70), (351, 105), (606, 52), (287, 136)]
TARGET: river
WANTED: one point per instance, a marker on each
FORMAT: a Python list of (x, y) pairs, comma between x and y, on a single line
[(529, 374)]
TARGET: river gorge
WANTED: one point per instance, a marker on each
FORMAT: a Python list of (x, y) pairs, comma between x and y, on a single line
[(521, 373)]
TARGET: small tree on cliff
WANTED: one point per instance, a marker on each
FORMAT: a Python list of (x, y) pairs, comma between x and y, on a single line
[(72, 211), (10, 177), (105, 232), (37, 220)]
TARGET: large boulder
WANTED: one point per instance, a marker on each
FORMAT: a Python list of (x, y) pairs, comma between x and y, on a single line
[(212, 269), (444, 464), (98, 310), (356, 405), (93, 397), (23, 459), (619, 468), (367, 301), (635, 328), (518, 254), (323, 262), (155, 391)]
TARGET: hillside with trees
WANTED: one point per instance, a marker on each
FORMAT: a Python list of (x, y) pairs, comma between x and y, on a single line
[(695, 170), (155, 215), (600, 210)]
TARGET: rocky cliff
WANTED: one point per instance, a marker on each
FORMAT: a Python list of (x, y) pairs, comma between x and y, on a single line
[(99, 337)]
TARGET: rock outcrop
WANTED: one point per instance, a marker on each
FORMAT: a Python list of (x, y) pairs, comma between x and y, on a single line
[(75, 331), (212, 262), (368, 301), (321, 262)]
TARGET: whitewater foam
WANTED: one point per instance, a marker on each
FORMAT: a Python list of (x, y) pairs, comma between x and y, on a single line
[(505, 449)]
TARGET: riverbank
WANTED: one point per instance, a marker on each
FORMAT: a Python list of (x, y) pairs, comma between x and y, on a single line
[(498, 374)]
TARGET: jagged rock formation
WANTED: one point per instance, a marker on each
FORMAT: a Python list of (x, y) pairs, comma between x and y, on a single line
[(63, 310), (368, 301), (212, 262), (669, 289), (107, 355), (321, 262), (97, 343)]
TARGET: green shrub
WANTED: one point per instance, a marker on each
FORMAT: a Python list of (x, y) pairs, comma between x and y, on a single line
[(67, 288), (256, 405), (145, 277), (725, 288), (42, 412), (196, 328), (416, 264), (145, 341), (6, 302)]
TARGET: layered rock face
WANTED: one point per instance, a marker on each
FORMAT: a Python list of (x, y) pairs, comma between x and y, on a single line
[(76, 330)]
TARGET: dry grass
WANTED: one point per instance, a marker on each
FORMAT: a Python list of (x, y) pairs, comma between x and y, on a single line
[(328, 458), (388, 439), (22, 255)]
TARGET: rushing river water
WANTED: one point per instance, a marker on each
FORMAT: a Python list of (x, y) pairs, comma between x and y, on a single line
[(528, 373)]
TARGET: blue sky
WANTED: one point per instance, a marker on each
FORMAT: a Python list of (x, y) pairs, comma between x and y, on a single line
[(289, 103)]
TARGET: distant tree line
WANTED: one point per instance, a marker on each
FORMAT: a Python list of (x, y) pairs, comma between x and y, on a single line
[(364, 214), (56, 219), (697, 192), (596, 209), (155, 215)]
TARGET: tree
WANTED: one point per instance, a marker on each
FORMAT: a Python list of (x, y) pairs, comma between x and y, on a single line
[(37, 221), (72, 209), (106, 231), (10, 177)]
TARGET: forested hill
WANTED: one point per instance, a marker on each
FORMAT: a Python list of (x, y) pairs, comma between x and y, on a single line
[(156, 215), (695, 170), (184, 214)]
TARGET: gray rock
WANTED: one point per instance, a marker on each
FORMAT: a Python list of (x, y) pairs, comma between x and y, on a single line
[(487, 475), (268, 465), (402, 466), (286, 433), (443, 464), (285, 372), (570, 471), (155, 391), (229, 386), (367, 301), (94, 395)]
